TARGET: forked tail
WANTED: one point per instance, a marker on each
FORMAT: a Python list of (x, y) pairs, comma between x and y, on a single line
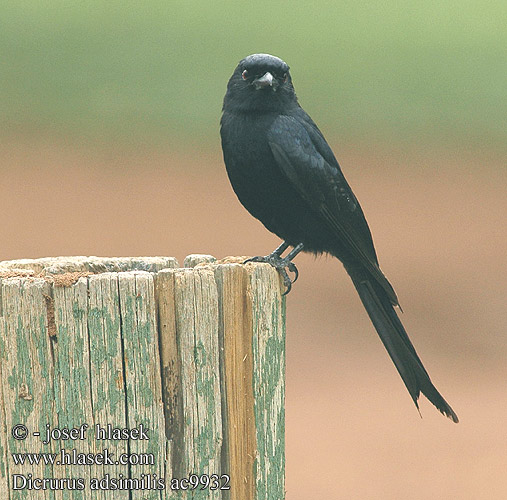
[(398, 345)]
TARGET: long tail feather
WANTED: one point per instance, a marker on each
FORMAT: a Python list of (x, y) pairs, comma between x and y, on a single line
[(398, 345)]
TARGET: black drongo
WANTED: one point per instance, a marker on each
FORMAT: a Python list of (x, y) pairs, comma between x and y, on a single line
[(285, 174)]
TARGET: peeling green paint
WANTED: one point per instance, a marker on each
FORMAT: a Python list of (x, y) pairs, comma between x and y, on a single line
[(106, 356), (268, 345)]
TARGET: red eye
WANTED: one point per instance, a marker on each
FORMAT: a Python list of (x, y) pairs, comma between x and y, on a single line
[(285, 77), (244, 75)]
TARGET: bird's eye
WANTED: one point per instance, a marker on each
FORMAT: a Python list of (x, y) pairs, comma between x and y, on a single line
[(285, 77), (244, 75)]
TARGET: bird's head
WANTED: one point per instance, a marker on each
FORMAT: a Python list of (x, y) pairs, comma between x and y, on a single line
[(260, 82)]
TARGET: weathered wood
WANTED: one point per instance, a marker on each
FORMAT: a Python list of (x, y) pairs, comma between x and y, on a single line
[(196, 300), (73, 398), (107, 374), (170, 368), (194, 356), (236, 322), (194, 259), (142, 376), (268, 341), (27, 375), (60, 265)]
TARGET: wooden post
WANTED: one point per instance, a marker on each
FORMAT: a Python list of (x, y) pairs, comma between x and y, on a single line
[(148, 379)]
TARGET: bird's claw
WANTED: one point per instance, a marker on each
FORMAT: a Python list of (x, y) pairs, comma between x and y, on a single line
[(281, 265)]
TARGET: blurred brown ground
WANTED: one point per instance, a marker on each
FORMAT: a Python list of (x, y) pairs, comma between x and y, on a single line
[(438, 219)]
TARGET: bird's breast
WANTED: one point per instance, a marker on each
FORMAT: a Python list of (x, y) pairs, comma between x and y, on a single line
[(259, 183), (248, 157)]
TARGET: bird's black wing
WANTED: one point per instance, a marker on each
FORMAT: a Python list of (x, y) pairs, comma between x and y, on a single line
[(309, 165), (307, 161)]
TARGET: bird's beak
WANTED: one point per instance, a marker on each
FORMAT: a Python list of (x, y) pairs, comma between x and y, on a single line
[(264, 81)]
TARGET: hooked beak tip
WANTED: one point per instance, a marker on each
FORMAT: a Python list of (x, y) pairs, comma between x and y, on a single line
[(265, 80)]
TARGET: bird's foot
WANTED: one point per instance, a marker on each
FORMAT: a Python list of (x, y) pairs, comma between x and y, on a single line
[(281, 264)]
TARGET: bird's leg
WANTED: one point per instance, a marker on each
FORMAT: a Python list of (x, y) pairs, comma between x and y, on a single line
[(279, 250), (281, 264), (291, 255)]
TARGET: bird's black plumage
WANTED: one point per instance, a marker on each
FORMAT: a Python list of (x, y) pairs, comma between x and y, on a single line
[(285, 174)]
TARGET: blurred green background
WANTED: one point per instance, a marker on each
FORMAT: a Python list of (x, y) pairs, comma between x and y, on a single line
[(156, 71)]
